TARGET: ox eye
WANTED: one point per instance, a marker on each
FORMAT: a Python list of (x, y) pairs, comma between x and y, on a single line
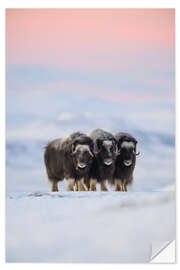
[(76, 152)]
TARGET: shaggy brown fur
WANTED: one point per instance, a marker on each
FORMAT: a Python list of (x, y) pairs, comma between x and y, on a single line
[(69, 158), (104, 163), (125, 161)]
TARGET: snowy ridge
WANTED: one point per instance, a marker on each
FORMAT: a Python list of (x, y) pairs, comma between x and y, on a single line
[(129, 199)]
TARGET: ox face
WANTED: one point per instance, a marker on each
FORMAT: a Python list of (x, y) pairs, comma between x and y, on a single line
[(107, 151), (127, 152), (82, 157)]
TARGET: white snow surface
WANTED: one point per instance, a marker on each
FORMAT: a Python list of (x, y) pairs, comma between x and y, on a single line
[(87, 227)]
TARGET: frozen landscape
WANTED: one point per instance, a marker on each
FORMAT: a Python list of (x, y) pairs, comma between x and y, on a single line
[(86, 226), (109, 69)]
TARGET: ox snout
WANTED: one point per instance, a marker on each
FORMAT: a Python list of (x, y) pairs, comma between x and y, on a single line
[(108, 161), (82, 165), (84, 160), (127, 162)]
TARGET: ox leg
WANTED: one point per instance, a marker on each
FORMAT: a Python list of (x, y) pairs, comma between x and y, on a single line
[(118, 186), (76, 186), (71, 183), (54, 186), (87, 184), (80, 185), (122, 187), (93, 184), (103, 186), (125, 187), (86, 188)]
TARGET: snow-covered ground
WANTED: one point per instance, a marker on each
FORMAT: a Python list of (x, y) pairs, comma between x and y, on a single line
[(87, 226)]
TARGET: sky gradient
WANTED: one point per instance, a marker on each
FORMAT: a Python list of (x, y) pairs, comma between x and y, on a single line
[(87, 38), (103, 53)]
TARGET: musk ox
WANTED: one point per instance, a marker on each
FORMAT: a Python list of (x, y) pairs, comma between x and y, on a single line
[(105, 150), (125, 161), (69, 158)]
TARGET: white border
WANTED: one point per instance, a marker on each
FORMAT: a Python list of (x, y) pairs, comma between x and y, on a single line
[(90, 4), (71, 4), (2, 135)]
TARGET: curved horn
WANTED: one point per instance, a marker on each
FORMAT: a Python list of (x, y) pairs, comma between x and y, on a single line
[(73, 151), (137, 154), (92, 155), (118, 151)]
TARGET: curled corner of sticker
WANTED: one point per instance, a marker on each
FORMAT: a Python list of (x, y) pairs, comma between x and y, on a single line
[(163, 252)]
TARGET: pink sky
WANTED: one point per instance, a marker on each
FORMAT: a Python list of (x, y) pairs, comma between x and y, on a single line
[(88, 38)]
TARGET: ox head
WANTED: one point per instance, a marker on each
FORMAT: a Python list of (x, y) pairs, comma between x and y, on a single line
[(127, 151), (82, 152), (107, 149)]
